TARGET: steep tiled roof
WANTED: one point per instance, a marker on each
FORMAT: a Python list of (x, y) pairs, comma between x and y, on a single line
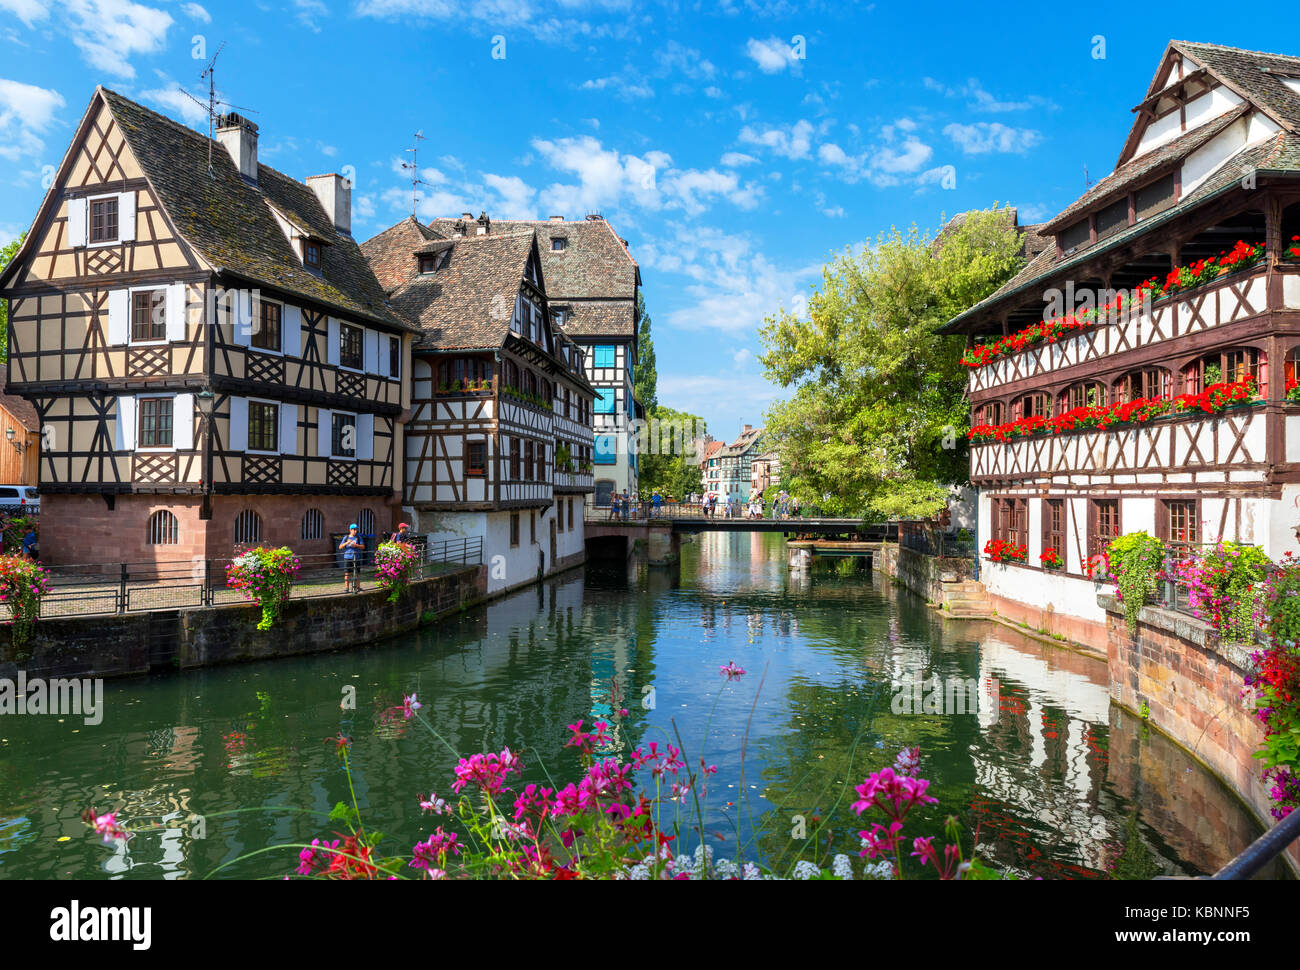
[(19, 407), (1254, 75), (595, 263), (391, 254), (1280, 153), (600, 318), (746, 440), (1130, 175), (228, 221), (469, 303)]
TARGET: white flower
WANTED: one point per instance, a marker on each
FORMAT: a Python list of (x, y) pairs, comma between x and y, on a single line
[(804, 870), (842, 867)]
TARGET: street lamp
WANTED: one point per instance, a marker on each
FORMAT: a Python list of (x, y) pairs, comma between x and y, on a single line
[(206, 402), (20, 445)]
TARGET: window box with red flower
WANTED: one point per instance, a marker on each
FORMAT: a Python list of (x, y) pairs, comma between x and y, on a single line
[(1051, 559), (1001, 551)]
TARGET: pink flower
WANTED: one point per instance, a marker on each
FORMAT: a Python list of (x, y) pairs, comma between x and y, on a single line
[(892, 794), (410, 705), (310, 858), (732, 671), (880, 841)]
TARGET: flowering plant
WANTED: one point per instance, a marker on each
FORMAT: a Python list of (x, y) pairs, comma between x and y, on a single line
[(1223, 587), (1293, 251), (266, 577), (1240, 256), (1213, 400), (1138, 561), (1293, 390), (999, 550), (1097, 567), (1276, 682), (394, 564), (22, 584), (1051, 559)]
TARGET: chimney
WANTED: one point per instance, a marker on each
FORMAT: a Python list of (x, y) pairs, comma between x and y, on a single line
[(335, 194), (467, 216), (749, 427), (557, 218), (239, 136), (484, 224)]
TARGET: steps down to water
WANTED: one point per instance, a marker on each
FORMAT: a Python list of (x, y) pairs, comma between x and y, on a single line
[(967, 600)]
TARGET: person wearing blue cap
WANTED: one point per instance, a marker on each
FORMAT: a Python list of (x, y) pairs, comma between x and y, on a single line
[(352, 547)]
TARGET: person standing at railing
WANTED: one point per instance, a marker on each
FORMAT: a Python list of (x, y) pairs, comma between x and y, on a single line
[(31, 549), (352, 547)]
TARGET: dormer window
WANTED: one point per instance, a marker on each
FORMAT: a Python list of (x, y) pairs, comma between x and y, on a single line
[(559, 244), (311, 254), (428, 264)]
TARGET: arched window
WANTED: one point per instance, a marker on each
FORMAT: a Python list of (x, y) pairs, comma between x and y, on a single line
[(164, 530), (366, 522), (248, 527), (1226, 366), (313, 524), (1148, 382), (990, 413), (1083, 395), (1037, 404)]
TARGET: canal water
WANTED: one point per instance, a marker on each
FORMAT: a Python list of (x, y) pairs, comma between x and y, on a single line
[(209, 767)]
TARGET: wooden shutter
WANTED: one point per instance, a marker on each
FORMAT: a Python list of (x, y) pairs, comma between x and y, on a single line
[(175, 313), (119, 316), (126, 217), (332, 350), (124, 436), (365, 437), (288, 429), (291, 331), (324, 427), (77, 222), (238, 424), (241, 315), (371, 358), (183, 422)]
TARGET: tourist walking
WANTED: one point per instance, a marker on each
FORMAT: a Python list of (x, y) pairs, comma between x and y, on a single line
[(352, 547), (657, 501)]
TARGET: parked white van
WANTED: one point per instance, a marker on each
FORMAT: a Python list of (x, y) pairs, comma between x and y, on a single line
[(16, 499)]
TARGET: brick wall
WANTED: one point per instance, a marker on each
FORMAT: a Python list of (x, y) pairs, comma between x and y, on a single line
[(1191, 683), (79, 529)]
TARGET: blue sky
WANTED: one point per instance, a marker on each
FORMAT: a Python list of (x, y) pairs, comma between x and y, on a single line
[(734, 145)]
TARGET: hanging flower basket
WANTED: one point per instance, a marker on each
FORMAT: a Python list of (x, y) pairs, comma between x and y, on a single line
[(22, 584), (266, 577), (394, 564)]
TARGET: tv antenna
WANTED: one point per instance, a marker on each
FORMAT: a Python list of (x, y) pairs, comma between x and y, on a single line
[(210, 74), (414, 166), (1087, 182)]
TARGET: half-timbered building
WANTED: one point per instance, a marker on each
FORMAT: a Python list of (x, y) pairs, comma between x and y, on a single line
[(499, 442), (592, 281), (210, 355), (1171, 241)]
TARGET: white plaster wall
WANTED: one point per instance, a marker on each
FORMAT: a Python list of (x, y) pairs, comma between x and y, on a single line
[(1066, 595), (1207, 159), (1137, 515)]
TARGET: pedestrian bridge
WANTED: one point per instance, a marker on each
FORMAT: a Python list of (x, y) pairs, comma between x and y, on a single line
[(661, 529)]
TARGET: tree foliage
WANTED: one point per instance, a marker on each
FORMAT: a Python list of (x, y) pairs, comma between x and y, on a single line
[(7, 253), (877, 419), (675, 469), (644, 375)]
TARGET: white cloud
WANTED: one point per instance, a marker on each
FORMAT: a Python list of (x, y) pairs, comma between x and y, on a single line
[(981, 100), (363, 208), (504, 15), (174, 101), (26, 111), (109, 32), (772, 55), (310, 12), (30, 12), (741, 357), (737, 159), (514, 197), (713, 92), (675, 58), (788, 141), (196, 12), (913, 154), (628, 85), (605, 177), (984, 137)]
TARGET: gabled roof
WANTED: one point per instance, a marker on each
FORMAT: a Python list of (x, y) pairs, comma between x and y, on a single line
[(228, 221), (1277, 154), (1252, 75), (1131, 174), (742, 444), (19, 407), (469, 303), (391, 254)]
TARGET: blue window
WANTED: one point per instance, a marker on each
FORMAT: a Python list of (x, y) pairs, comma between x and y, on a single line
[(604, 356), (605, 401), (606, 450)]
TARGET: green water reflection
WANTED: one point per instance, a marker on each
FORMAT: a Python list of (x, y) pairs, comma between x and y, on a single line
[(1059, 783)]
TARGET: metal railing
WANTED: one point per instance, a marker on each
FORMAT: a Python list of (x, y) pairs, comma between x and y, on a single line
[(1263, 850), (930, 540), (1175, 592), (133, 587)]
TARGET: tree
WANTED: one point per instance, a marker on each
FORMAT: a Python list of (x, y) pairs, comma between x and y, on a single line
[(667, 453), (644, 376), (6, 254), (876, 423)]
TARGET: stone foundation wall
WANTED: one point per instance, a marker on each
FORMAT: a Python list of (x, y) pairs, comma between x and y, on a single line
[(1042, 618), (1191, 683), (120, 645), (922, 574)]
